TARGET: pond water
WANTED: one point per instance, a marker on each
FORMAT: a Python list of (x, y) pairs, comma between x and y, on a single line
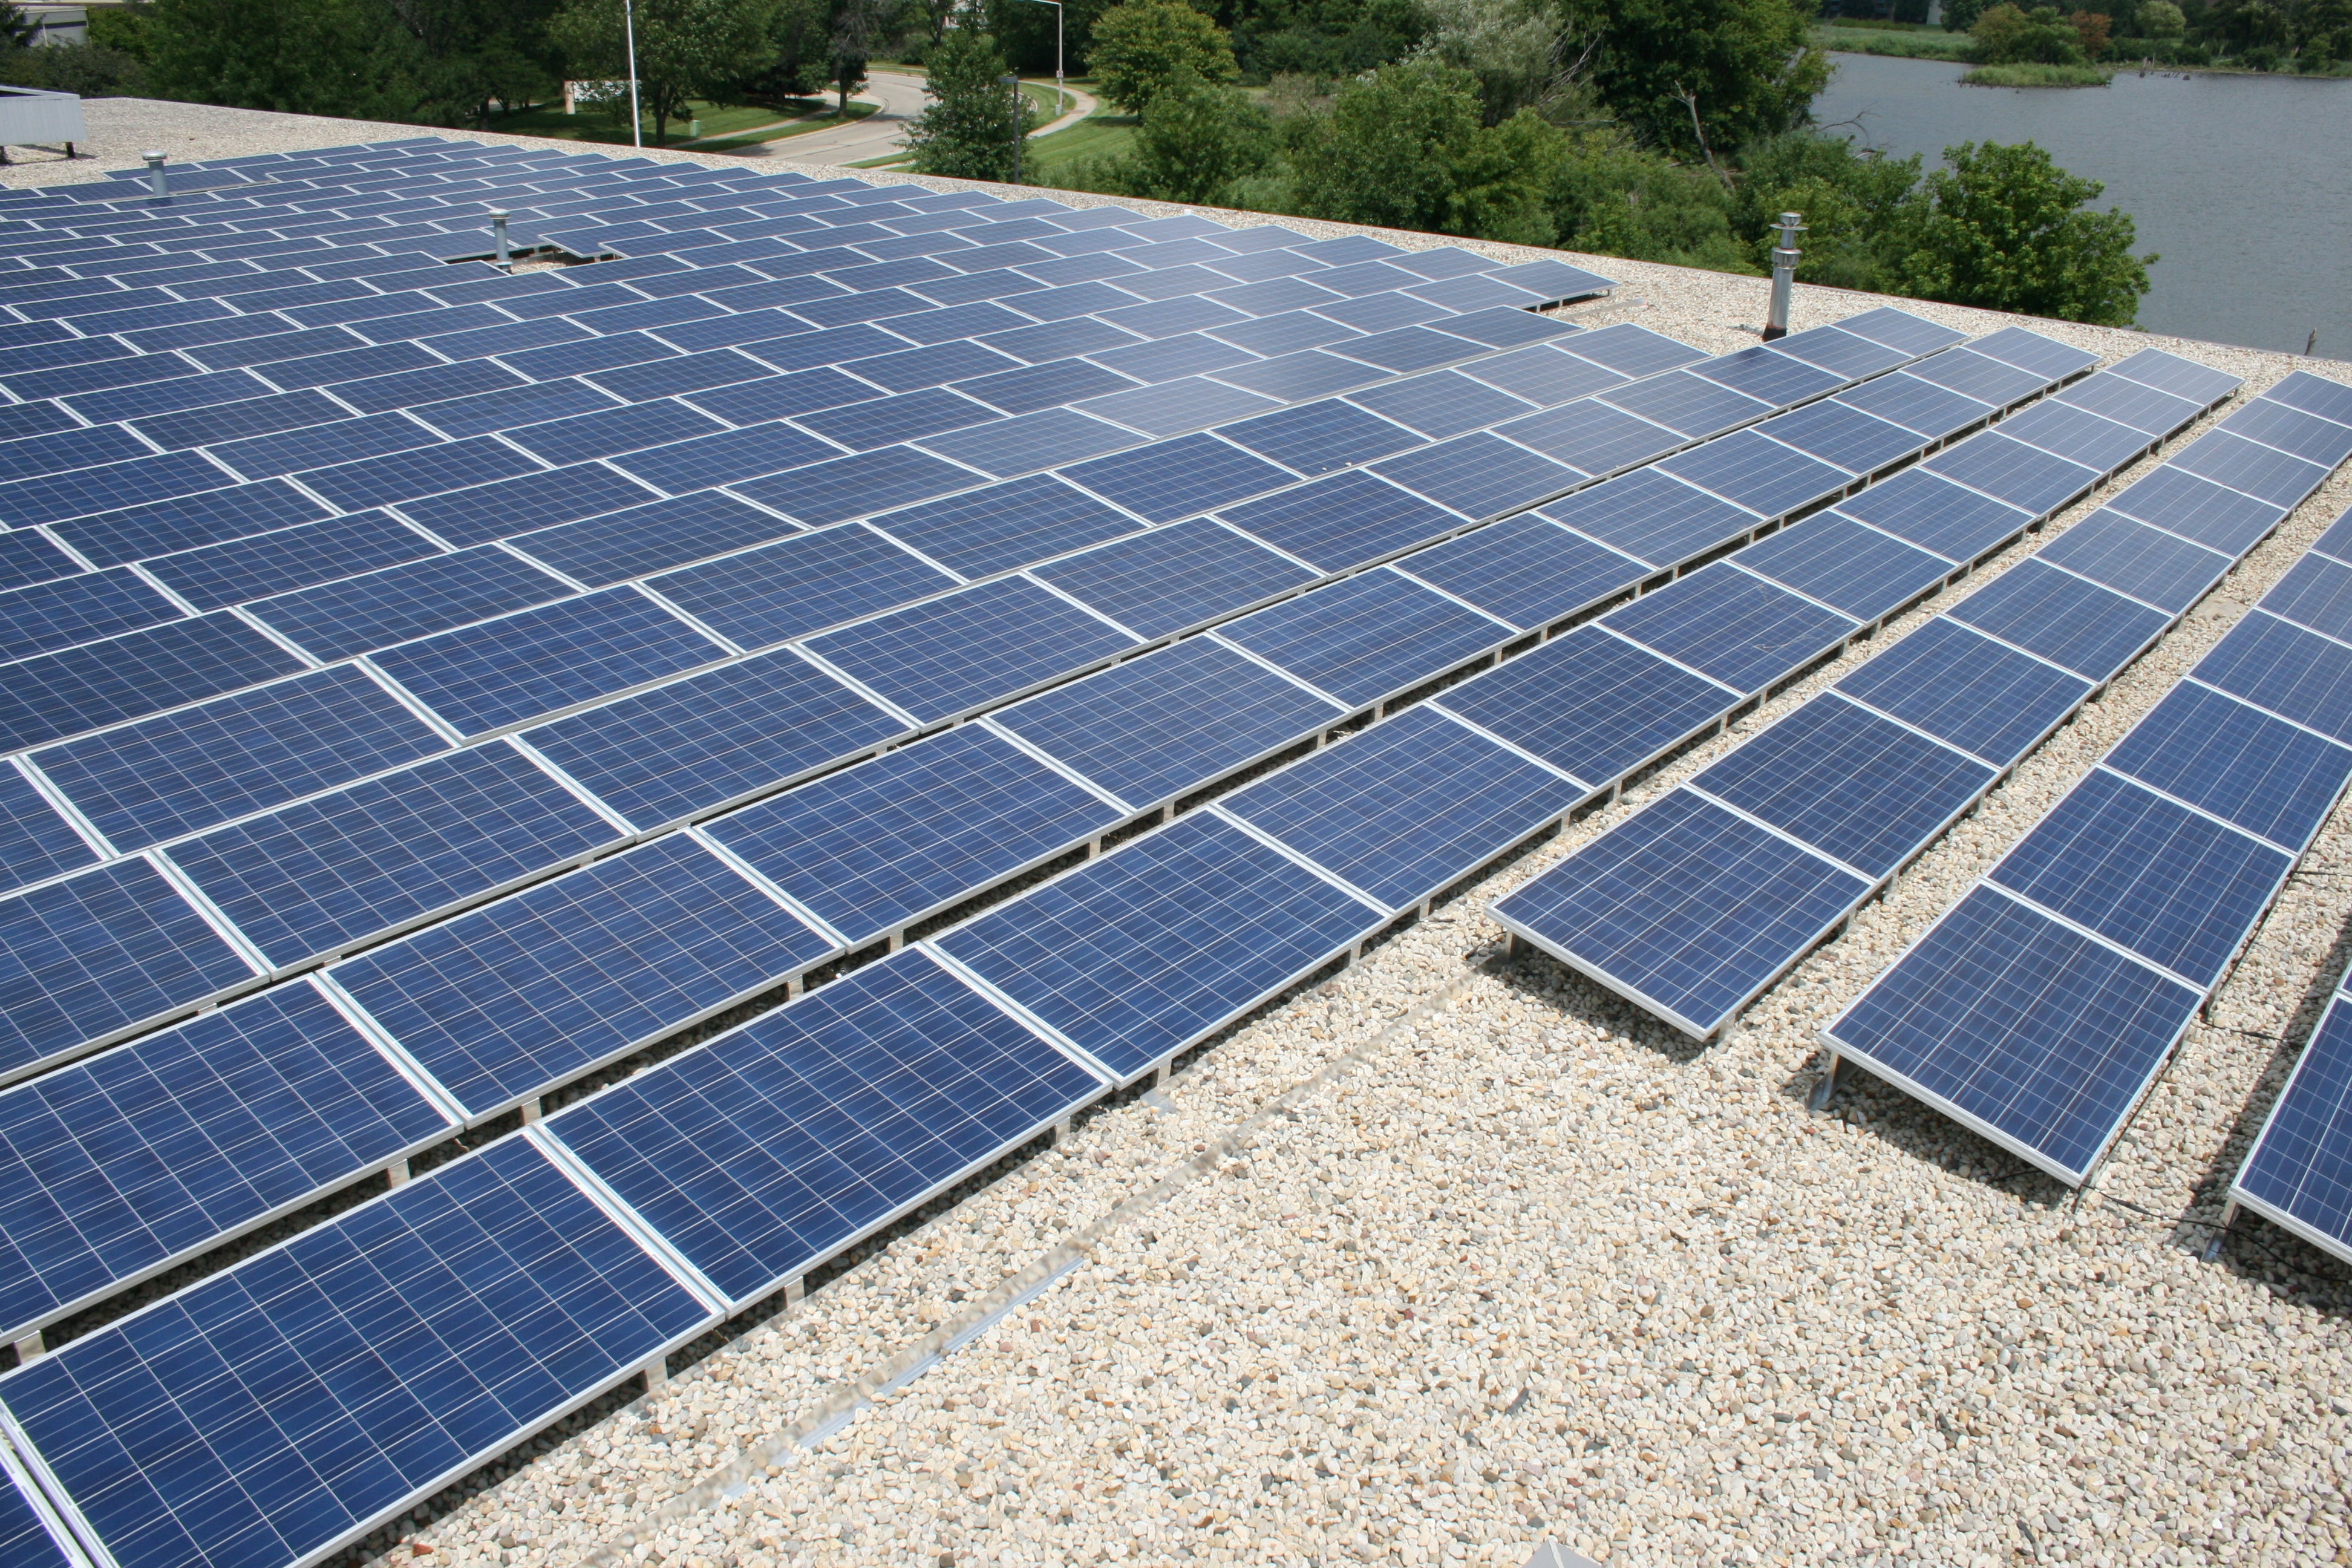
[(2243, 185)]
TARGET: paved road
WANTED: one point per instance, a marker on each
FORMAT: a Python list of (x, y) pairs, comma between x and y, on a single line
[(879, 133)]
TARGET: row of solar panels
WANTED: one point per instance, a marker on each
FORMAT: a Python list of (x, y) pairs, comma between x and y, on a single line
[(1700, 902), (625, 1224), (790, 590), (101, 952), (2040, 1008), (499, 1006)]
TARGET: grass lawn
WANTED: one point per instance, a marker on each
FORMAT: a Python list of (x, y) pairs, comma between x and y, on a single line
[(822, 119), (1924, 44), (1102, 134), (718, 120), (2031, 75)]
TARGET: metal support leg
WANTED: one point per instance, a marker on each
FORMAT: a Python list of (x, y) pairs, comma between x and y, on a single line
[(29, 1348), (795, 1292), (1819, 1098), (656, 1373), (2212, 1247), (1160, 1076), (398, 1172), (1061, 1132), (531, 1112)]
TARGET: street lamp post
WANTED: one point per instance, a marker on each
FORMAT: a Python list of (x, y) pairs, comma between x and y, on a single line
[(1061, 97), (629, 28), (1013, 81)]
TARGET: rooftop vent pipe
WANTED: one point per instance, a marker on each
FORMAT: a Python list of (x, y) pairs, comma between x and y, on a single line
[(1784, 276), (155, 185)]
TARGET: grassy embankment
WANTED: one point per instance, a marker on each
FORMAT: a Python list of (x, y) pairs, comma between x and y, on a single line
[(726, 128)]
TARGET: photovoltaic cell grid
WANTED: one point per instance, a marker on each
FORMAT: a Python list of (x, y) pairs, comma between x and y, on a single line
[(2040, 1008), (2299, 1171), (966, 873), (1748, 866)]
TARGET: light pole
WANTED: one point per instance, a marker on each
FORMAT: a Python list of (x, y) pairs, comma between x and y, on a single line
[(1061, 98), (629, 28), (1013, 81)]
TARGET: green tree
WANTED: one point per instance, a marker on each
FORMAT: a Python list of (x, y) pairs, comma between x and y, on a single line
[(348, 59), (2161, 19), (969, 128), (1611, 197), (1138, 49), (686, 49), (121, 27), (1403, 148), (2323, 33), (1515, 48), (2005, 35), (1853, 202), (1702, 78), (2004, 227), (472, 53), (1195, 140)]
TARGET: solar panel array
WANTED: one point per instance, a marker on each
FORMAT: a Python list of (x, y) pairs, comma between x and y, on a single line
[(2039, 1009), (1697, 903), (2299, 1171), (494, 1008), (735, 626)]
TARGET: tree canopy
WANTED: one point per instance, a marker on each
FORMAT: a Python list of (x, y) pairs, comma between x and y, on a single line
[(972, 122), (1139, 47)]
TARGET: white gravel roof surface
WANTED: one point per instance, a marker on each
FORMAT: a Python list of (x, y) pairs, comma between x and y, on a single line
[(1454, 1254)]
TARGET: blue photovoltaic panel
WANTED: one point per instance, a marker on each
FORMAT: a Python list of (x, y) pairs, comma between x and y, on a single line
[(1170, 480), (71, 610), (1369, 637), (1990, 700), (1341, 521), (1153, 728), (1439, 405), (402, 476), (112, 1168), (2144, 408), (1768, 374), (1847, 354), (2184, 377), (1862, 789), (75, 689), (30, 557), (2238, 762), (1590, 704), (1684, 907), (2315, 592), (1006, 526), (56, 497), (609, 431), (94, 955), (1407, 808), (2175, 887), (1529, 572), (2301, 389), (876, 847), (1936, 515), (180, 773), (2307, 436), (2297, 1175), (2067, 620), (239, 570), (1481, 476), (25, 1536), (598, 550), (1767, 478), (322, 874), (2045, 357), (271, 1412), (336, 620), (2197, 510), (964, 650), (1854, 440), (1978, 376), (517, 505), (864, 482), (35, 843), (800, 585), (2133, 558), (1653, 518), (1935, 412), (1173, 406), (527, 992), (1136, 954), (1045, 439), (727, 457), (2010, 470), (290, 451), (525, 666), (1173, 578), (1735, 627), (1319, 437), (2077, 435), (2022, 1028), (1684, 401), (774, 1146), (1845, 565), (2256, 471)]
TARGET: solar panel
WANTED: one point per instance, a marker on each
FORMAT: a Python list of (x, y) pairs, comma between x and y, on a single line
[(343, 1373), (776, 1145), (508, 1001), (2312, 395), (1590, 704), (1987, 698), (788, 589), (2296, 1174), (1935, 412), (2264, 472), (1170, 480), (1319, 437), (1845, 353), (1733, 627), (264, 564), (355, 615), (2046, 1061), (875, 848), (1343, 521), (1174, 578), (2133, 558), (1368, 638), (36, 842), (1151, 728), (1548, 375), (1444, 404), (1857, 442), (115, 1167), (2144, 408), (2182, 377), (2063, 619), (1592, 437), (324, 874), (1624, 902), (1768, 373), (2077, 435), (2236, 762), (522, 666), (1481, 474), (1407, 808), (80, 688), (2197, 510), (1653, 518), (2043, 356), (970, 648), (1757, 473), (1858, 571), (1526, 571), (1974, 375), (2316, 594), (1135, 956)]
